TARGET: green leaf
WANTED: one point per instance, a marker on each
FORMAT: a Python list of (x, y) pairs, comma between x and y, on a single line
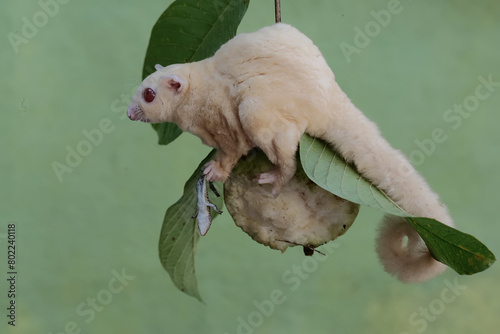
[(188, 31), (460, 251), (179, 234), (167, 132), (328, 169)]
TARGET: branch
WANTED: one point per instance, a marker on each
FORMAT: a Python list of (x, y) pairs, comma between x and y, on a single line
[(277, 7)]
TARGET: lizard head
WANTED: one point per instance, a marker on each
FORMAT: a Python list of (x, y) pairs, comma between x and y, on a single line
[(156, 98)]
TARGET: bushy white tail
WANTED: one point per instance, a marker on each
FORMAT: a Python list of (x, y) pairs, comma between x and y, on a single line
[(403, 253), (359, 141)]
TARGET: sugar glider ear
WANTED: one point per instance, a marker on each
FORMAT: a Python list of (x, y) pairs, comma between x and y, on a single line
[(158, 67), (173, 82)]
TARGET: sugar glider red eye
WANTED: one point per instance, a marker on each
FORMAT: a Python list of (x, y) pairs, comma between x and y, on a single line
[(148, 95), (267, 88)]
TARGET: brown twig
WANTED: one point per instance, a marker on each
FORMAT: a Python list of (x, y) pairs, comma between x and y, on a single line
[(277, 8), (308, 250)]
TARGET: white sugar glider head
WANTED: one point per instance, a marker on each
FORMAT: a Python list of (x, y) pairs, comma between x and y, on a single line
[(158, 95)]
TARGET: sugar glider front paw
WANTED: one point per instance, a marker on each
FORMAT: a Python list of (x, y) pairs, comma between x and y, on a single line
[(214, 172)]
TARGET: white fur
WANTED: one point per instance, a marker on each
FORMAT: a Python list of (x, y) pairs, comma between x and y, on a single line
[(266, 89)]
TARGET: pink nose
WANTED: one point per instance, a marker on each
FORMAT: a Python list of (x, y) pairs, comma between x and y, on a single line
[(132, 113)]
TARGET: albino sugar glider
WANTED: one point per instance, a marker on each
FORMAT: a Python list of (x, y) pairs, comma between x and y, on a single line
[(265, 89)]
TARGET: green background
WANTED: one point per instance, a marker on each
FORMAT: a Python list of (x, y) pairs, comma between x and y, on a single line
[(82, 66)]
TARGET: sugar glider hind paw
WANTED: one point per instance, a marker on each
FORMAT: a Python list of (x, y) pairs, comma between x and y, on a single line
[(267, 178), (213, 172), (270, 177)]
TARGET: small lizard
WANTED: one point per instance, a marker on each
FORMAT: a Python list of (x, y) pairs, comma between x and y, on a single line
[(203, 214)]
